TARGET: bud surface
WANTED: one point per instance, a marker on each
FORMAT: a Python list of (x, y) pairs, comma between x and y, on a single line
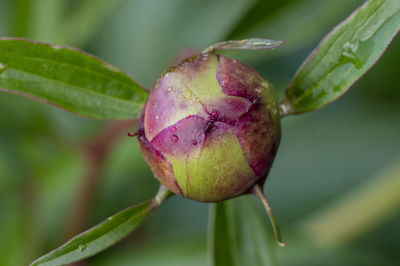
[(210, 128)]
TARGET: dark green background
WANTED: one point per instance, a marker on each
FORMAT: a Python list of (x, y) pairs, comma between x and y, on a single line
[(323, 155)]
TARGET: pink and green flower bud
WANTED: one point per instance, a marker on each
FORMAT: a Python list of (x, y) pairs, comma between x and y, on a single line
[(210, 128)]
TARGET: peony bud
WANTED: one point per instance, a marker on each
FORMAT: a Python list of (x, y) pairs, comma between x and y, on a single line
[(210, 128)]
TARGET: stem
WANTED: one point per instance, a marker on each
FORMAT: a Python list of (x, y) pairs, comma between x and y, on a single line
[(285, 107), (162, 194), (259, 193)]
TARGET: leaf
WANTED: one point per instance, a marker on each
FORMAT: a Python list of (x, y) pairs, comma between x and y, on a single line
[(343, 56), (238, 235), (269, 19), (99, 237), (105, 234), (69, 79), (246, 44)]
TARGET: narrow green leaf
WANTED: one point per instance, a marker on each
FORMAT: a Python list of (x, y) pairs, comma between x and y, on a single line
[(105, 234), (99, 237), (238, 234), (343, 56), (246, 44), (69, 79), (275, 19)]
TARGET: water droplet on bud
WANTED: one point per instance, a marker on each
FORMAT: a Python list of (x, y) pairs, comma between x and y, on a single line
[(194, 142), (265, 84), (172, 129), (188, 94), (225, 79), (169, 89), (204, 57), (174, 138)]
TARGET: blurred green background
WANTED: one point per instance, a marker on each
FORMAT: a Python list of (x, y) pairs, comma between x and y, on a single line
[(335, 184)]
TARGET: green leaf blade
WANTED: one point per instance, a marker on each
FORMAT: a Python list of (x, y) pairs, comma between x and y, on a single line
[(99, 237), (69, 79), (343, 56), (238, 234)]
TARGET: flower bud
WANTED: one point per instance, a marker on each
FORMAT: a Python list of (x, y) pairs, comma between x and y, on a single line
[(210, 128)]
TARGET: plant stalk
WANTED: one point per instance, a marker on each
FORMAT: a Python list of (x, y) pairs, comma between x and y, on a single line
[(285, 107), (162, 194)]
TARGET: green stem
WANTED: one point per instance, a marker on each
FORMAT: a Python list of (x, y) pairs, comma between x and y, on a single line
[(162, 194), (259, 193), (285, 107)]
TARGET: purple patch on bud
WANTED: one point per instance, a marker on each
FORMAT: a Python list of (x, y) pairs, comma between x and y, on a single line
[(238, 79), (187, 130), (258, 130), (161, 168)]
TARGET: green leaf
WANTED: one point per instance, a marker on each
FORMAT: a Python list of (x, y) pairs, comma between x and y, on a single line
[(343, 56), (238, 235), (99, 237), (246, 44), (269, 19), (69, 79), (105, 234)]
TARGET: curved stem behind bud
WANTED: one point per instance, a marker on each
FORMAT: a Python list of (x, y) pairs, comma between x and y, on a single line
[(259, 193)]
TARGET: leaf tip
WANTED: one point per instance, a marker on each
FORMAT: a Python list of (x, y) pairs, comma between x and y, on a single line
[(275, 226)]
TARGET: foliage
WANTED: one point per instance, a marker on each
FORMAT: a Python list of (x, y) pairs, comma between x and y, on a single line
[(344, 56), (69, 79)]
